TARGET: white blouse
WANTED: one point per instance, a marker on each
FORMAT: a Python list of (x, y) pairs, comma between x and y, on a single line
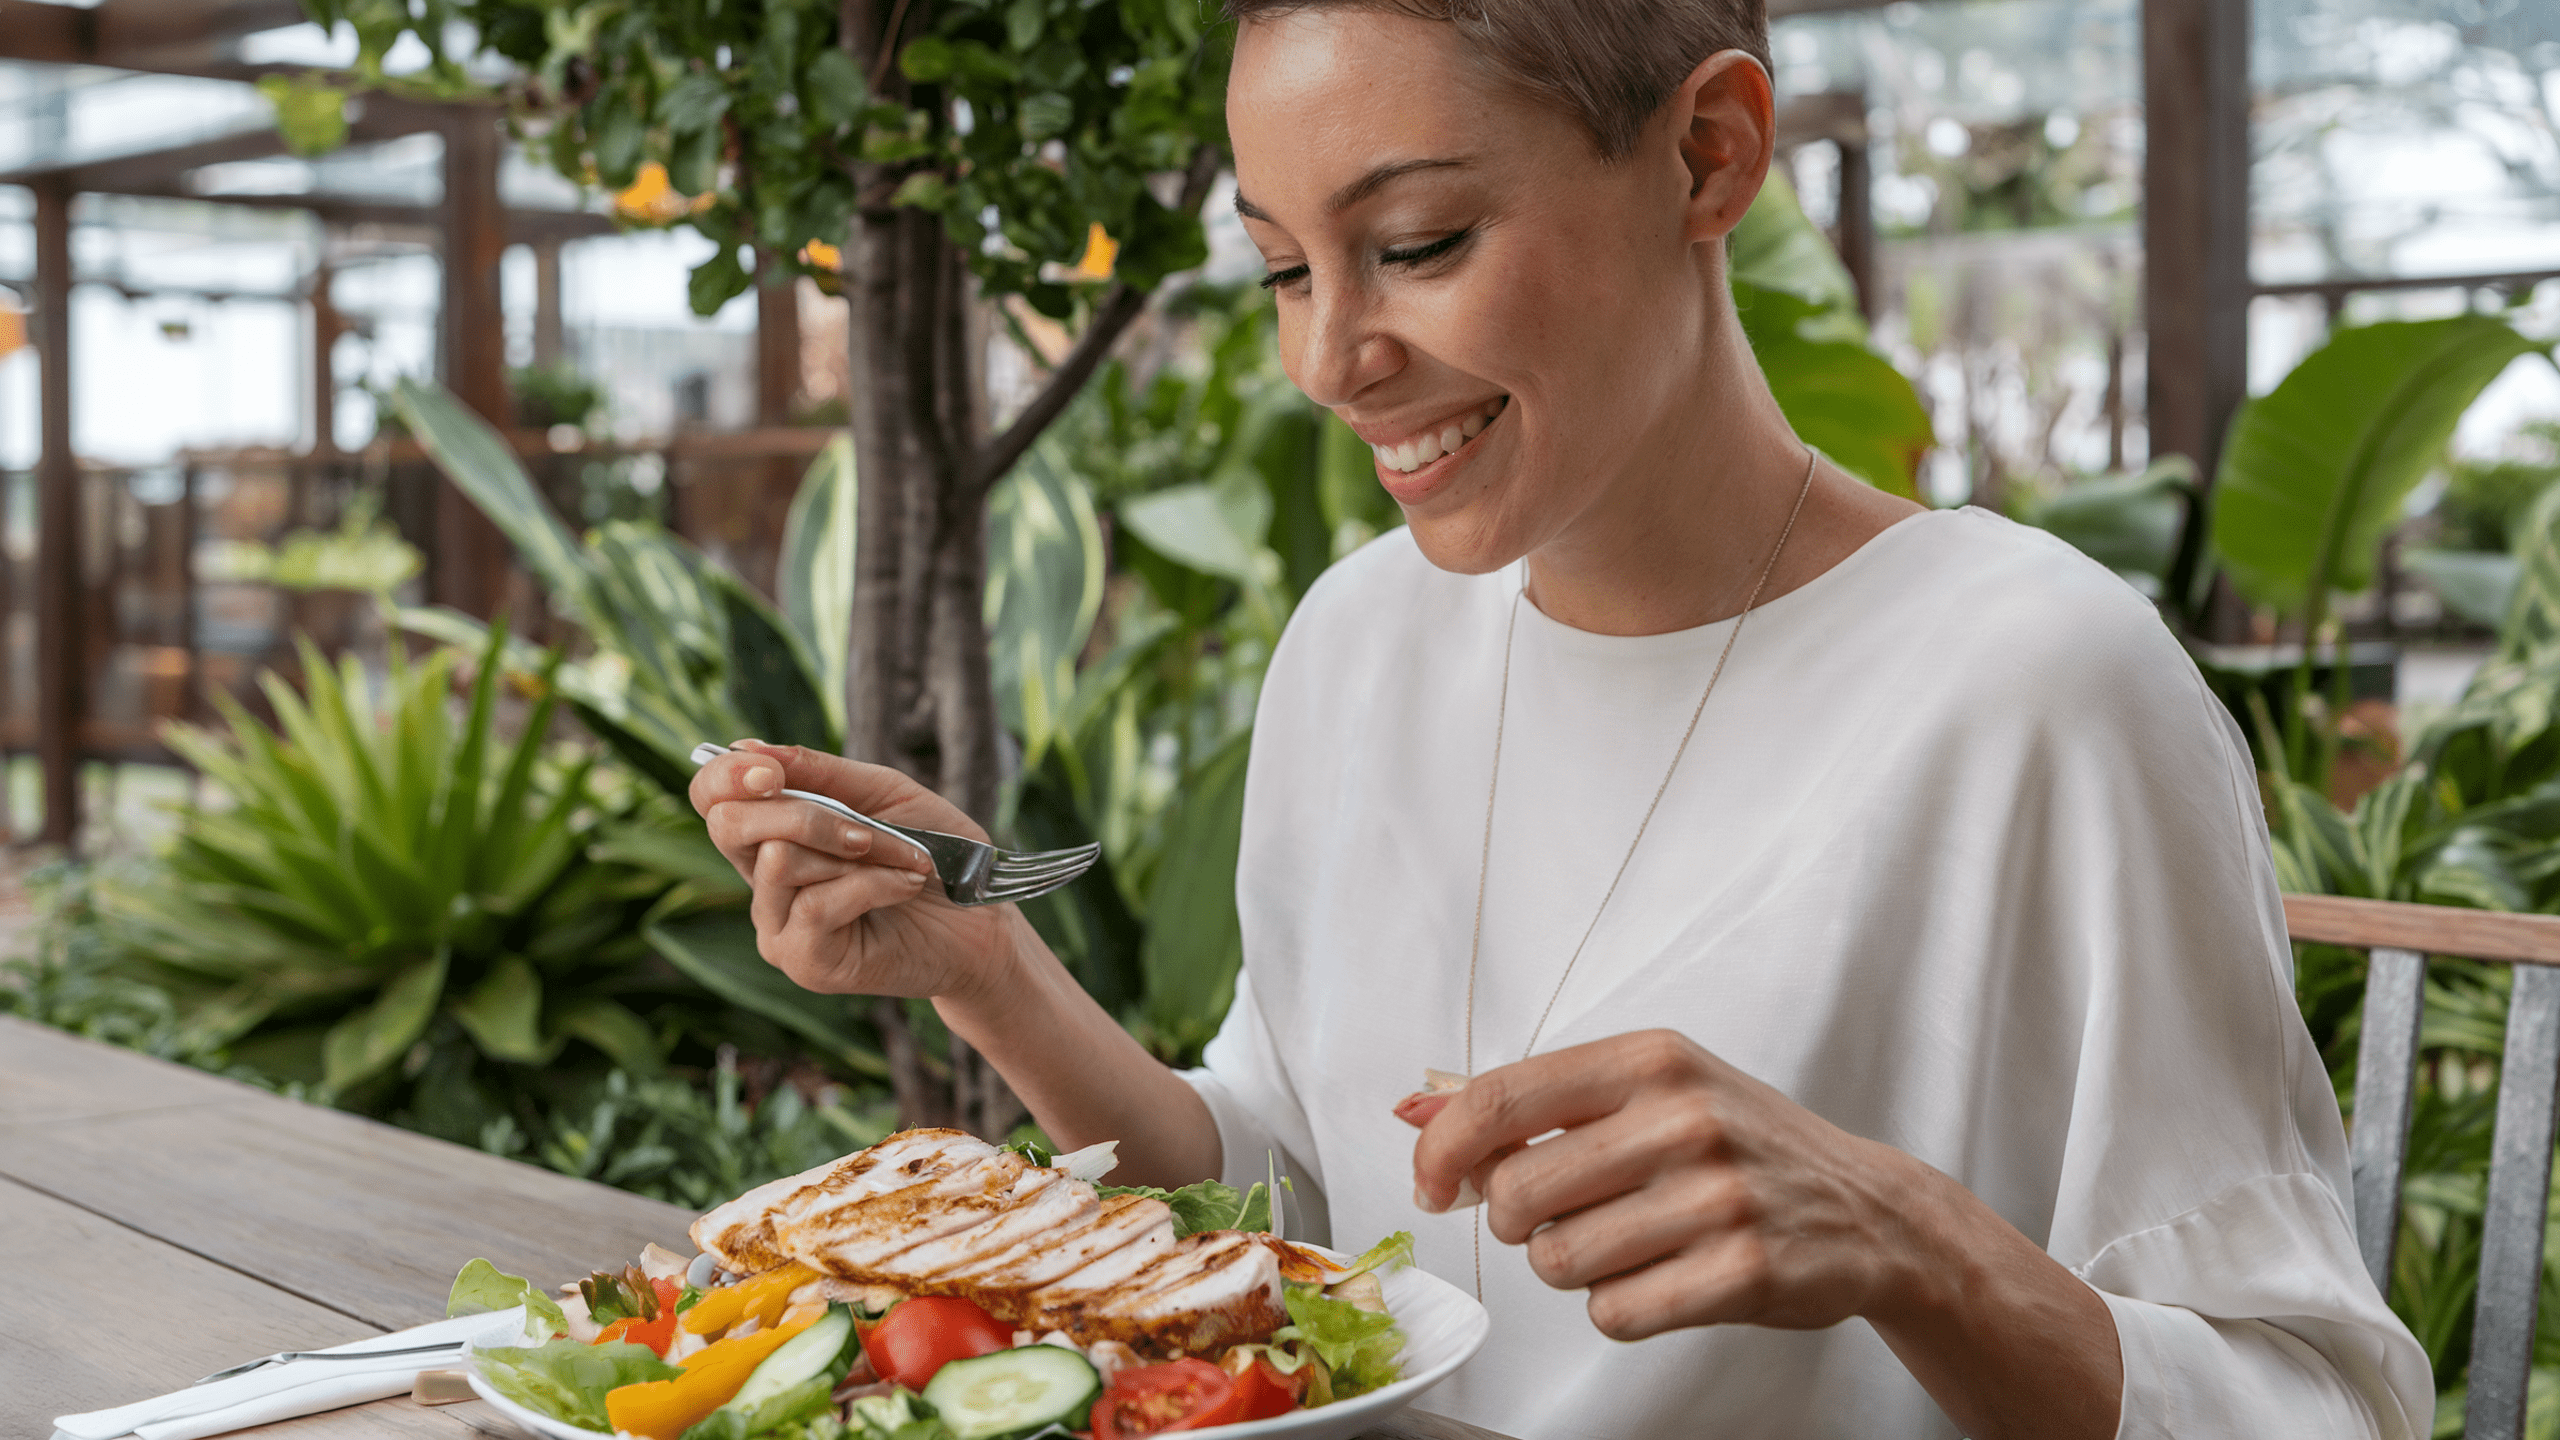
[(1963, 858)]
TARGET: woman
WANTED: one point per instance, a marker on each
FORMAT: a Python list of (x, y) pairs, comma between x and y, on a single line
[(1868, 906)]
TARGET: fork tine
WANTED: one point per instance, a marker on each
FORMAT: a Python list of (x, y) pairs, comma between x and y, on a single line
[(1008, 859), (1038, 866), (1028, 889), (1039, 859)]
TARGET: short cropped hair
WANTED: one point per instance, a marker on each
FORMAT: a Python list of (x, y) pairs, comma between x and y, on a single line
[(1609, 63)]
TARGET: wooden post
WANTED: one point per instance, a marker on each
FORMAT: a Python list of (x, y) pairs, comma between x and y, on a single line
[(2195, 232), (550, 340), (325, 329), (1857, 219), (469, 568), (60, 654), (777, 340)]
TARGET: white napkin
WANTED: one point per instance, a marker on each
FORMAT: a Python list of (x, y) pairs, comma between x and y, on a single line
[(298, 1387)]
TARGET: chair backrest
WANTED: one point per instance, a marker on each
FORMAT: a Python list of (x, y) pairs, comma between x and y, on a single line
[(2400, 938)]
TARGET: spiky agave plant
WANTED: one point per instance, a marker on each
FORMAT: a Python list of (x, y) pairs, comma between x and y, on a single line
[(378, 871)]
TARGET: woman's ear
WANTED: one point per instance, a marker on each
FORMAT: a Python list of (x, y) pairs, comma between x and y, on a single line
[(1729, 128)]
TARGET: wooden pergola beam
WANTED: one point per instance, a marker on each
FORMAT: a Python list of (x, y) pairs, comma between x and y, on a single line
[(61, 655), (165, 38), (469, 569)]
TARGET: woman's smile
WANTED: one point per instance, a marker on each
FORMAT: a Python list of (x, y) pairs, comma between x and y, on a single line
[(1416, 462)]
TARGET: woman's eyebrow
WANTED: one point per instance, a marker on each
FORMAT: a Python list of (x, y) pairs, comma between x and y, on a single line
[(1364, 187)]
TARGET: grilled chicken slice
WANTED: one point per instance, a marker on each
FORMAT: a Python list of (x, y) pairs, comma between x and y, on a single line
[(741, 1233), (863, 1240), (938, 1212), (1205, 1292), (1117, 1222)]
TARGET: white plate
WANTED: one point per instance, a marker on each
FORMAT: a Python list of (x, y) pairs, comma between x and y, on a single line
[(1442, 1325)]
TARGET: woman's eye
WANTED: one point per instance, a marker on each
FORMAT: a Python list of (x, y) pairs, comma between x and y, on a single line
[(1280, 279), (1421, 254)]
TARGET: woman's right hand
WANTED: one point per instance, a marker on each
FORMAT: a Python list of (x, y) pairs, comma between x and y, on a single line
[(840, 908)]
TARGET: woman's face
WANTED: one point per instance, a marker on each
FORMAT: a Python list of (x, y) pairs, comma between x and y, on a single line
[(1454, 262)]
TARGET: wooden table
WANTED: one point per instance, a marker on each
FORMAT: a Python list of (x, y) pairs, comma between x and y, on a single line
[(163, 1222)]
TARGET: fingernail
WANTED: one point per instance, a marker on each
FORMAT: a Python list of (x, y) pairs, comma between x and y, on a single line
[(746, 744), (1468, 1197), (763, 779), (915, 877), (856, 839), (1422, 1202)]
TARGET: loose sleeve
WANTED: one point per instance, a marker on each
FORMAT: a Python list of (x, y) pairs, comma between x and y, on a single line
[(2203, 1186), (1262, 1127)]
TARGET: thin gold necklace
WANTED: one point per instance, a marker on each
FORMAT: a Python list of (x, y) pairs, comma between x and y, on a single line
[(1493, 787)]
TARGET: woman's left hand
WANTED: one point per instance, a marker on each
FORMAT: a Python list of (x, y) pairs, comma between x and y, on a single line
[(1681, 1191)]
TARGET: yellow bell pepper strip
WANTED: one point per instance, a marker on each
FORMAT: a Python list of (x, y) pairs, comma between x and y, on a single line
[(665, 1409), (762, 1295)]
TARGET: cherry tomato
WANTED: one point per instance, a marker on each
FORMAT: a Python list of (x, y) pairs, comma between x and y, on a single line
[(920, 1336), (1178, 1395), (1262, 1391)]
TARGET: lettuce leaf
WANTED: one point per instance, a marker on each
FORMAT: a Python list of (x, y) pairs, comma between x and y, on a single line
[(1207, 1205), (1358, 1346), (1393, 1253), (483, 1288), (567, 1380)]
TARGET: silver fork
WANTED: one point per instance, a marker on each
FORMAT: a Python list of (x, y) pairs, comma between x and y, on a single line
[(284, 1356), (972, 872)]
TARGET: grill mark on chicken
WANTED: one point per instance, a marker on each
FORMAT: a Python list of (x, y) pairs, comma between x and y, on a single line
[(938, 1212)]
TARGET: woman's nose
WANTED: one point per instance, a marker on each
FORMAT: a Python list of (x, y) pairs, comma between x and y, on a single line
[(1337, 351)]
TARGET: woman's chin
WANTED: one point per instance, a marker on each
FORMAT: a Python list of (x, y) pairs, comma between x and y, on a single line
[(1461, 542)]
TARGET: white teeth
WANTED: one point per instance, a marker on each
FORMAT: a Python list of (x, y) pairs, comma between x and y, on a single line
[(1471, 427), (1428, 447), (1452, 438)]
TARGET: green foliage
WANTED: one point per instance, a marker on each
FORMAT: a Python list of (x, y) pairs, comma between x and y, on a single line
[(684, 650), (2473, 819), (311, 115), (364, 553), (548, 395), (2485, 501), (692, 1144), (381, 872), (2128, 523), (2315, 471), (1800, 310), (1021, 124)]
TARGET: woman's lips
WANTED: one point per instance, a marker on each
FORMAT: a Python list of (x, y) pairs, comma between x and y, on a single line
[(1415, 467)]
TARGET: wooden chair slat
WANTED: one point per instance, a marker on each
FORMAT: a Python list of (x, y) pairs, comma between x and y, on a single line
[(2386, 1087), (2427, 929), (2519, 1198)]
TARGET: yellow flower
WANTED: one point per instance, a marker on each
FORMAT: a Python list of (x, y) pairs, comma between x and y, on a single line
[(1100, 253)]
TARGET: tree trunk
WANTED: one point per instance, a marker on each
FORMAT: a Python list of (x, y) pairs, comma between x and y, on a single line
[(920, 693)]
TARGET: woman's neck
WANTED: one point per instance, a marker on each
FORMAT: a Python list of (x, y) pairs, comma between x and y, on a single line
[(1682, 538)]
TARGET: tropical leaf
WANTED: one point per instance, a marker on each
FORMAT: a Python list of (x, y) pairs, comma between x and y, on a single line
[(362, 1045), (2315, 470), (2128, 523), (2477, 585), (1777, 248), (478, 461), (1841, 397), (772, 685), (503, 1013), (1194, 941), (718, 950), (813, 577), (1044, 591)]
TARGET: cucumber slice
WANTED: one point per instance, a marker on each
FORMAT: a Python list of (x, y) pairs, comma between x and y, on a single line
[(797, 1360), (1014, 1392)]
